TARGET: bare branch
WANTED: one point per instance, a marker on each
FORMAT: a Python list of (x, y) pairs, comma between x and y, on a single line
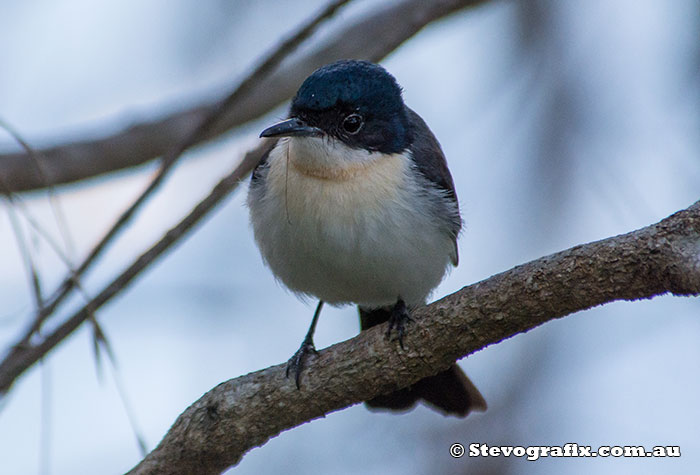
[(25, 352), (371, 37), (15, 200), (240, 414), (197, 131), (100, 340)]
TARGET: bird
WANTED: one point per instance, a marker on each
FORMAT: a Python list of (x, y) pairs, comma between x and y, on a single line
[(354, 204)]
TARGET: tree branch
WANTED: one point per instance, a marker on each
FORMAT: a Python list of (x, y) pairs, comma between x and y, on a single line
[(240, 414), (170, 159), (31, 347), (371, 37), (25, 353)]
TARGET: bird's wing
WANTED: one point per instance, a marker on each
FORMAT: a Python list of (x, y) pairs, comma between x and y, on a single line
[(261, 168), (430, 162)]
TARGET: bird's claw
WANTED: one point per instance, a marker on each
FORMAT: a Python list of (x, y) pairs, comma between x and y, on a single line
[(296, 362), (398, 319)]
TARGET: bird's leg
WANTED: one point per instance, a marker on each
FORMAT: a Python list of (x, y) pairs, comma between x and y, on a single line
[(296, 362), (398, 319)]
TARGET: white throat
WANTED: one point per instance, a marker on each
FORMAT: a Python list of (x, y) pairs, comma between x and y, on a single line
[(329, 158), (347, 225)]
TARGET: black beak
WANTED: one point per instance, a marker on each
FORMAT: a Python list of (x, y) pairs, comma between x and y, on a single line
[(291, 128)]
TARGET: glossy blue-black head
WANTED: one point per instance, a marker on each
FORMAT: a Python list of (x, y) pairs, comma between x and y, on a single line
[(357, 102)]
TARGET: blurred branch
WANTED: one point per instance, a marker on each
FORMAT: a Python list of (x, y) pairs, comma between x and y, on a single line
[(370, 37), (168, 161), (15, 200), (240, 414), (25, 353), (27, 258), (30, 348)]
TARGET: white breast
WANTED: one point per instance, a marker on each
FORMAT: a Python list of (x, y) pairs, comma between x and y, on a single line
[(352, 229)]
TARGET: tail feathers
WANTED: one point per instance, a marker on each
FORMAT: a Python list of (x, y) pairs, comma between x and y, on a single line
[(449, 392)]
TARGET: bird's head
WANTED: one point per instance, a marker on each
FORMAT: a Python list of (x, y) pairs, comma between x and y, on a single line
[(357, 103)]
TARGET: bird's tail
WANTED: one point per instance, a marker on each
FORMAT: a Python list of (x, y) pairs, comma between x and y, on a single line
[(450, 392)]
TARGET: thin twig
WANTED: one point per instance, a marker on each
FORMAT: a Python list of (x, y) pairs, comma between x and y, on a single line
[(100, 341), (24, 354), (216, 431), (378, 35), (35, 284), (25, 252), (103, 343), (196, 134), (15, 200), (371, 36), (43, 175)]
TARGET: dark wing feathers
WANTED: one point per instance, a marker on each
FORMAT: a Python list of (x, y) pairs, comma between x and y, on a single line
[(261, 168), (430, 162)]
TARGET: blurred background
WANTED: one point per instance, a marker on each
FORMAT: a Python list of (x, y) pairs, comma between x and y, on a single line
[(563, 122)]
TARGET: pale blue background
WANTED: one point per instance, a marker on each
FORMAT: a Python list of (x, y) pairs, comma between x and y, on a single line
[(581, 127)]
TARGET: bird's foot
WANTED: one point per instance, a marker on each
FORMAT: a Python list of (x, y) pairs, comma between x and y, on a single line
[(296, 362), (398, 319)]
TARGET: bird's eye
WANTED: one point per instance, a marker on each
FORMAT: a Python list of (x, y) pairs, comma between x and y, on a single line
[(352, 123)]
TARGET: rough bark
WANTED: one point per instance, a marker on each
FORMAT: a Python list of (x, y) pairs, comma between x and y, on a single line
[(243, 413)]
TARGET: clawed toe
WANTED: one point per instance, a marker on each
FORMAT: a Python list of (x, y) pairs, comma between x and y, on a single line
[(296, 362), (398, 319)]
